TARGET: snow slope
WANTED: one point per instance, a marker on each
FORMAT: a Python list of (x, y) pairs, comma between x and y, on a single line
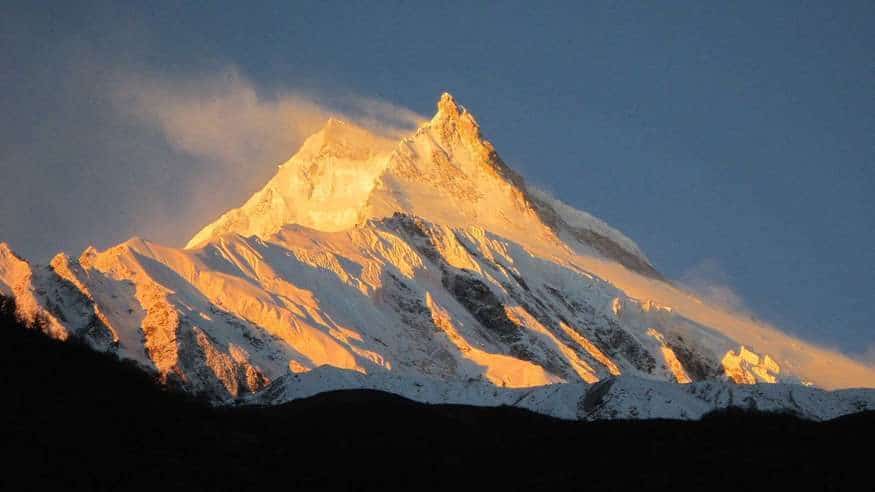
[(428, 268), (622, 397)]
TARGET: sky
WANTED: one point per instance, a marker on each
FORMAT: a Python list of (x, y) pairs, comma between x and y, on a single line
[(734, 143)]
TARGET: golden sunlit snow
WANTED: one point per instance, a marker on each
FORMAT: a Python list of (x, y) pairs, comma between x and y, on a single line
[(424, 257)]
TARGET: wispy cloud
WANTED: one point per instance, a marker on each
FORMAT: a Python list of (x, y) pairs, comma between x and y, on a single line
[(868, 356), (218, 117), (223, 117), (709, 281)]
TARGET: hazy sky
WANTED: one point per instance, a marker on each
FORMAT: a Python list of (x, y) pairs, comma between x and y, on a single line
[(734, 143)]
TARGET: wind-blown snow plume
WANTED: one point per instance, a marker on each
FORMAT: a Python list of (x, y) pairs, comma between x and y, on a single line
[(708, 280), (218, 117), (224, 118)]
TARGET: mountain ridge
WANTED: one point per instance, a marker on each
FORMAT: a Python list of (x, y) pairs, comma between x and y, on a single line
[(425, 258), (84, 420), (350, 175)]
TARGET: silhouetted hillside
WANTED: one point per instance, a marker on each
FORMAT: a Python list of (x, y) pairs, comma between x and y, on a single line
[(76, 419)]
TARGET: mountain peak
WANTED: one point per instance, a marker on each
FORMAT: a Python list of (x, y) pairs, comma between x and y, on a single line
[(338, 126), (333, 123), (340, 138), (337, 129), (446, 172), (448, 105), (454, 122), (451, 113)]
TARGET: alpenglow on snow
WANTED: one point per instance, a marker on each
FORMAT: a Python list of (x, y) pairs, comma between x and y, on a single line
[(428, 268)]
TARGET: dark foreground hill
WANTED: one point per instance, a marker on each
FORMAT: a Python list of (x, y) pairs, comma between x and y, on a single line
[(79, 420)]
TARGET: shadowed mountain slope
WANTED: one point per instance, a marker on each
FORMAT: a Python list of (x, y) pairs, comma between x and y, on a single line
[(87, 421)]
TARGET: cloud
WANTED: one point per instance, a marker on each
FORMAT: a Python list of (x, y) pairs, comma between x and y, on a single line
[(711, 283), (217, 117), (382, 117), (868, 356), (223, 117)]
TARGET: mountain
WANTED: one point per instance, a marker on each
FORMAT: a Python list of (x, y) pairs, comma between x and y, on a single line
[(427, 268), (80, 420)]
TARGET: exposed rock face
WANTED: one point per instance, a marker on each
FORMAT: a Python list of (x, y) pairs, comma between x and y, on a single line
[(426, 258), (747, 367)]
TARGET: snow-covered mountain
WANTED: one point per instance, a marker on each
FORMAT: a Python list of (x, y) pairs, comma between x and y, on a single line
[(425, 267)]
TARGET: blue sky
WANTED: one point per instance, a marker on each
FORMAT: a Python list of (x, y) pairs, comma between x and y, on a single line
[(734, 143)]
